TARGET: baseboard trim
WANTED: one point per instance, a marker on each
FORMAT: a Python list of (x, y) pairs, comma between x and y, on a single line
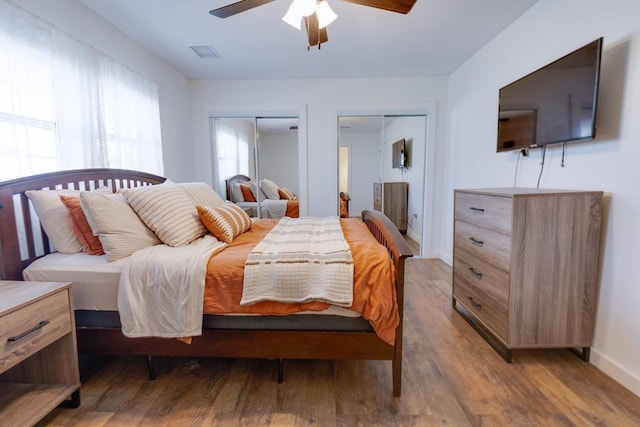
[(615, 371), (438, 255)]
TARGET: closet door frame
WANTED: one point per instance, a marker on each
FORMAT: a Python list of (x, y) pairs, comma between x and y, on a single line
[(266, 111)]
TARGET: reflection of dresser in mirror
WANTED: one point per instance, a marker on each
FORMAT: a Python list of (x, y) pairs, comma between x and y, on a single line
[(391, 198)]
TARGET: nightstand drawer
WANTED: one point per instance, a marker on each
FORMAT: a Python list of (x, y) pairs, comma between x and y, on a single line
[(488, 245), (29, 329), (481, 305), (485, 211)]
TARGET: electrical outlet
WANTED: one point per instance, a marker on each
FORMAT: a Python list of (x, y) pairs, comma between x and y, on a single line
[(524, 152)]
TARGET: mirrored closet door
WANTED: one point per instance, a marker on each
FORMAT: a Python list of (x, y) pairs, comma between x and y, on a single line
[(381, 166), (255, 163)]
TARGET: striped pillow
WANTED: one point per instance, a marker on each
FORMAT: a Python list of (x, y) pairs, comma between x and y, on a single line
[(270, 189), (286, 194), (226, 222), (168, 210), (201, 193), (117, 226)]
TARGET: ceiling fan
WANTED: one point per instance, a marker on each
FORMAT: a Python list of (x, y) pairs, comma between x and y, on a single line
[(316, 14)]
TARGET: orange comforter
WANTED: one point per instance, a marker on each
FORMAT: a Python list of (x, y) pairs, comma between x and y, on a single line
[(374, 295), (293, 209)]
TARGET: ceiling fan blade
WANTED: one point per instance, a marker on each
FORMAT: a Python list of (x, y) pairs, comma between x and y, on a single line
[(315, 35), (400, 6), (237, 7)]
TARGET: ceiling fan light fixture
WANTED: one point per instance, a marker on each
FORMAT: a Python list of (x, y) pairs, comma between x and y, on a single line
[(326, 15), (293, 16), (306, 7)]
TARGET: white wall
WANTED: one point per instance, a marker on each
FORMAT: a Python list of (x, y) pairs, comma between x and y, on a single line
[(549, 30), (412, 129), (364, 167), (74, 18), (279, 159), (322, 100)]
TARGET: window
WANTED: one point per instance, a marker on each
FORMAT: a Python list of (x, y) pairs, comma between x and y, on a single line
[(232, 150), (64, 105)]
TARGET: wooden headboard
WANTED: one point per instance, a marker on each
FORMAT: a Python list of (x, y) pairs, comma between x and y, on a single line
[(19, 246), (229, 182)]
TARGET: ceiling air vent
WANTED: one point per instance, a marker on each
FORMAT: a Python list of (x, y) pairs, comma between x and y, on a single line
[(205, 52)]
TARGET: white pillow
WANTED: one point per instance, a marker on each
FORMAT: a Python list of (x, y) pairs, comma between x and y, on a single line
[(236, 192), (168, 211), (270, 189), (119, 229), (202, 194), (254, 190), (53, 217)]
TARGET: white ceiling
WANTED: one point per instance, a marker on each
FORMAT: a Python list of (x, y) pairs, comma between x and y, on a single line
[(436, 37)]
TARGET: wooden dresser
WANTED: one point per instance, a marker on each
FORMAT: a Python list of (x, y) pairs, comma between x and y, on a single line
[(38, 357), (391, 198), (525, 266)]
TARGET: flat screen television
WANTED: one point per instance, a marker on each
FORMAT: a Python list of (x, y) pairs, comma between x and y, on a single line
[(554, 104), (399, 154)]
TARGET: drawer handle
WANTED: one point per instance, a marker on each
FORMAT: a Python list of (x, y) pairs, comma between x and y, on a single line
[(478, 210), (475, 273), (476, 241), (25, 333), (475, 304)]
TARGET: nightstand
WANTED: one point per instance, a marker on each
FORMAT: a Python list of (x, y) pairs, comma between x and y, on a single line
[(38, 353)]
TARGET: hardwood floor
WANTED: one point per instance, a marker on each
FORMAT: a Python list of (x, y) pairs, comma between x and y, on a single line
[(451, 377)]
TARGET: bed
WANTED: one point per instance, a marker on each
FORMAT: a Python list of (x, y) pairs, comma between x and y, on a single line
[(279, 337), (280, 203)]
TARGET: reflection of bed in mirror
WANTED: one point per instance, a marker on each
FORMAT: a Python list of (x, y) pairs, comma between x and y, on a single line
[(274, 201)]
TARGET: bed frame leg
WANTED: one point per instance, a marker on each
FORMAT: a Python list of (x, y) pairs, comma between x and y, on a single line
[(396, 372), (280, 371), (152, 370)]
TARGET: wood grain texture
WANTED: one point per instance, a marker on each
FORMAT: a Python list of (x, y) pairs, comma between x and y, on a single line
[(377, 196), (451, 377), (549, 258), (484, 243), (492, 212), (38, 365), (395, 199)]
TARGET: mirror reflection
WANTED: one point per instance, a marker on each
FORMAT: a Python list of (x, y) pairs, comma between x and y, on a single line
[(256, 164), (381, 167)]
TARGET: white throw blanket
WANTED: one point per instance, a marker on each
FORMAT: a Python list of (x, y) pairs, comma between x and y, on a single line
[(300, 260), (274, 208), (161, 289)]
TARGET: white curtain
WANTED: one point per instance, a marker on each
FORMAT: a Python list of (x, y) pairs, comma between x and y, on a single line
[(65, 105), (231, 151)]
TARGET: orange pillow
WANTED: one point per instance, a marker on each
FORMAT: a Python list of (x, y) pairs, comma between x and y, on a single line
[(246, 193), (226, 221), (81, 228)]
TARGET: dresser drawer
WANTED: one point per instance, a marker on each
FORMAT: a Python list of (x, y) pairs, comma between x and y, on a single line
[(377, 196), (485, 211), (17, 344), (482, 306), (490, 246), (483, 276)]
